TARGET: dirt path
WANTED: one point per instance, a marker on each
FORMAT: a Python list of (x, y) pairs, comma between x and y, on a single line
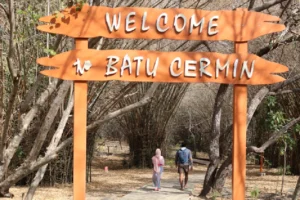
[(170, 190)]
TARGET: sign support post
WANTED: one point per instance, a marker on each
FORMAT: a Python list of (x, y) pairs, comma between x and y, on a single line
[(239, 133), (80, 120)]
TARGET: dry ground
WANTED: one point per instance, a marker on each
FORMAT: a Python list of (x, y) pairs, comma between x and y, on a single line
[(119, 181), (268, 186)]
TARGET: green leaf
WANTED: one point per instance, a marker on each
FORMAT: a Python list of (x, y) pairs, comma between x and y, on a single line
[(51, 52)]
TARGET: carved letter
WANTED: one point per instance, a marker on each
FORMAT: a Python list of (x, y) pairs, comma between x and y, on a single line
[(153, 73), (126, 64), (114, 25), (235, 65), (178, 60), (193, 24), (203, 66), (138, 60), (112, 60), (78, 67), (144, 27), (245, 69), (211, 25), (189, 65), (159, 29), (219, 68), (128, 22), (177, 29)]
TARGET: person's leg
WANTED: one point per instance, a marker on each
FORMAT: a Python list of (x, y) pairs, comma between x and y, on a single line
[(181, 180), (154, 179), (159, 177), (181, 176), (186, 175), (186, 178), (158, 180)]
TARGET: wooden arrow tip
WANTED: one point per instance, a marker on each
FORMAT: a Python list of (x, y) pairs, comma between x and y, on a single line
[(277, 79), (280, 27), (270, 18), (48, 28), (268, 27), (279, 69), (45, 61), (51, 73), (47, 19)]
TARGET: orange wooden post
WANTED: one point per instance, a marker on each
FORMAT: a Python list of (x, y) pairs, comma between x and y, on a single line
[(261, 163), (239, 134), (80, 117)]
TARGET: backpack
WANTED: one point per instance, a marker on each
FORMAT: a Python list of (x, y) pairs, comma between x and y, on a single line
[(183, 156)]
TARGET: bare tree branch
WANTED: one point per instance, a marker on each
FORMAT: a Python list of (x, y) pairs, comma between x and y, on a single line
[(275, 136), (251, 4), (278, 86), (284, 92), (29, 167), (285, 7), (53, 144), (255, 102), (268, 5), (5, 11), (263, 51), (26, 120), (146, 99), (43, 132)]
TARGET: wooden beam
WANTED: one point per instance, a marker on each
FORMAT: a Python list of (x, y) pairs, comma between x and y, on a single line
[(80, 117), (239, 134)]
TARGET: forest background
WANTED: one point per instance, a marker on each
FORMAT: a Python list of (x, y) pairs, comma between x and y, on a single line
[(36, 111)]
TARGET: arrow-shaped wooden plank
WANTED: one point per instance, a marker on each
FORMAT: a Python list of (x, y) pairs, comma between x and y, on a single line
[(152, 66), (152, 23)]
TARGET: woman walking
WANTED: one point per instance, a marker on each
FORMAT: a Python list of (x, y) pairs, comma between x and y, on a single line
[(158, 162)]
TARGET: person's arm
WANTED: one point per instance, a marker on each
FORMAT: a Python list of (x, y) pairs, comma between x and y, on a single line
[(191, 160), (155, 164)]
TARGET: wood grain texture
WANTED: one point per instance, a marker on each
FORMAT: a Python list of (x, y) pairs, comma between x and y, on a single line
[(239, 25)]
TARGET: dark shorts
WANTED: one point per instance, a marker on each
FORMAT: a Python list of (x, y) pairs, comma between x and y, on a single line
[(183, 169)]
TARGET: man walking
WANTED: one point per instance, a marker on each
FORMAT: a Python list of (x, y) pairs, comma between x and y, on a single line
[(184, 163)]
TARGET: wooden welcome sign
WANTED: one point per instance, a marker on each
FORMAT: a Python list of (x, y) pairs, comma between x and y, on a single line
[(151, 23), (83, 64), (152, 66)]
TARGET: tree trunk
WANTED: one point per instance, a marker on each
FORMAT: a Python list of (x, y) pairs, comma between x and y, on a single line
[(223, 172), (284, 167), (15, 75), (1, 101), (297, 190), (214, 148), (56, 138), (226, 165), (28, 168), (26, 120), (53, 144), (144, 128), (39, 141)]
